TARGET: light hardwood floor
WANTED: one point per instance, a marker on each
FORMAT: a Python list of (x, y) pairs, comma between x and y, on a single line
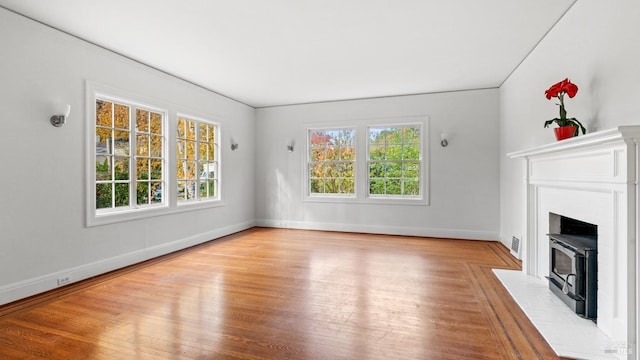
[(286, 294)]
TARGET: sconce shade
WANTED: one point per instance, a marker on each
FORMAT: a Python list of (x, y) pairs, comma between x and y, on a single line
[(59, 120)]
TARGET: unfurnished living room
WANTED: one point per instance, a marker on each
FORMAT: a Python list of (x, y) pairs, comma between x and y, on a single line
[(319, 179)]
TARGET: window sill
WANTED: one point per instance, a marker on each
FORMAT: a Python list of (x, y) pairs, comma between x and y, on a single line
[(145, 213), (366, 201)]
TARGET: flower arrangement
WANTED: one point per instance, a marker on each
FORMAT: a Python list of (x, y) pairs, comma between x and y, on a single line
[(558, 90)]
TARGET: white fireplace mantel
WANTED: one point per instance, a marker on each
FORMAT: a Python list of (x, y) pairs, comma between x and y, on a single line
[(592, 178)]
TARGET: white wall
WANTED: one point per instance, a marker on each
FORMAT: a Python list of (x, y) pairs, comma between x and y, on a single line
[(595, 45), (463, 182), (42, 230)]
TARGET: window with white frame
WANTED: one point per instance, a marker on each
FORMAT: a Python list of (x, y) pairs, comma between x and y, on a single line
[(331, 165), (197, 160), (132, 169), (394, 160), (129, 156), (365, 161)]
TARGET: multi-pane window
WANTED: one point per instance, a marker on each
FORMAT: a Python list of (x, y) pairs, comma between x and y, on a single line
[(394, 160), (368, 161), (129, 155), (331, 163), (197, 164)]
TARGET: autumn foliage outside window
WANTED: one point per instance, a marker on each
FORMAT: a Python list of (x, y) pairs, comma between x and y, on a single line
[(332, 161), (129, 155), (197, 171)]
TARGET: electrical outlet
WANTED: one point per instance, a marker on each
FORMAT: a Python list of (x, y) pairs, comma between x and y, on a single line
[(64, 280)]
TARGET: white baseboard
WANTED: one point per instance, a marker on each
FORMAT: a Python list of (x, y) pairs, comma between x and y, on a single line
[(29, 287), (382, 229)]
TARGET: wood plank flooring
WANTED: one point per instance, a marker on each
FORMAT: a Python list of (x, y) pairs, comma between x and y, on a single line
[(286, 294)]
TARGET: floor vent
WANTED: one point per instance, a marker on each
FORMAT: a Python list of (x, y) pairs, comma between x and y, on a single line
[(515, 247)]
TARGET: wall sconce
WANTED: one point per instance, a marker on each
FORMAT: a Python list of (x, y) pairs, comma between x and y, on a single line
[(290, 147), (59, 120), (443, 140), (234, 146)]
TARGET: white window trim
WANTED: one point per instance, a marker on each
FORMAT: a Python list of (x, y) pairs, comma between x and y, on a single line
[(361, 127), (169, 205), (208, 202)]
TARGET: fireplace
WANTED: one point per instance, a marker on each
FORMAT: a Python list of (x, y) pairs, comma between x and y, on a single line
[(573, 264), (593, 178)]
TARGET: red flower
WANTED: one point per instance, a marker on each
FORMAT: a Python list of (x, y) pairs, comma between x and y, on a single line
[(562, 87)]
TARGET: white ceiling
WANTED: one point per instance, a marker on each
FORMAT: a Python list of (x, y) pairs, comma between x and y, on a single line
[(276, 52)]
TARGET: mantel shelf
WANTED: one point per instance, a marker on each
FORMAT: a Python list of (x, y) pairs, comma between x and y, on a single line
[(597, 138)]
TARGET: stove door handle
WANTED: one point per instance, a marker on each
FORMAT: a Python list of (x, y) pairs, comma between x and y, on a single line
[(565, 286)]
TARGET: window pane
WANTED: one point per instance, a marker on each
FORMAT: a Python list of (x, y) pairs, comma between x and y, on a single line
[(376, 170), (190, 149), (202, 128), (411, 134), (394, 152), (411, 187), (156, 146), (142, 120), (347, 153), (394, 169), (156, 191), (204, 151), (411, 170), (190, 190), (103, 141), (316, 186), (346, 170), (316, 170), (182, 185), (104, 114), (191, 130), (181, 150), (156, 170), (212, 185), (181, 128), (142, 193), (103, 196), (121, 142), (393, 187), (376, 153), (103, 168), (192, 170), (213, 149), (318, 139), (142, 169), (376, 187), (211, 134), (121, 168), (122, 194), (411, 152), (375, 135), (317, 154), (156, 123), (142, 145), (121, 116), (347, 186)]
